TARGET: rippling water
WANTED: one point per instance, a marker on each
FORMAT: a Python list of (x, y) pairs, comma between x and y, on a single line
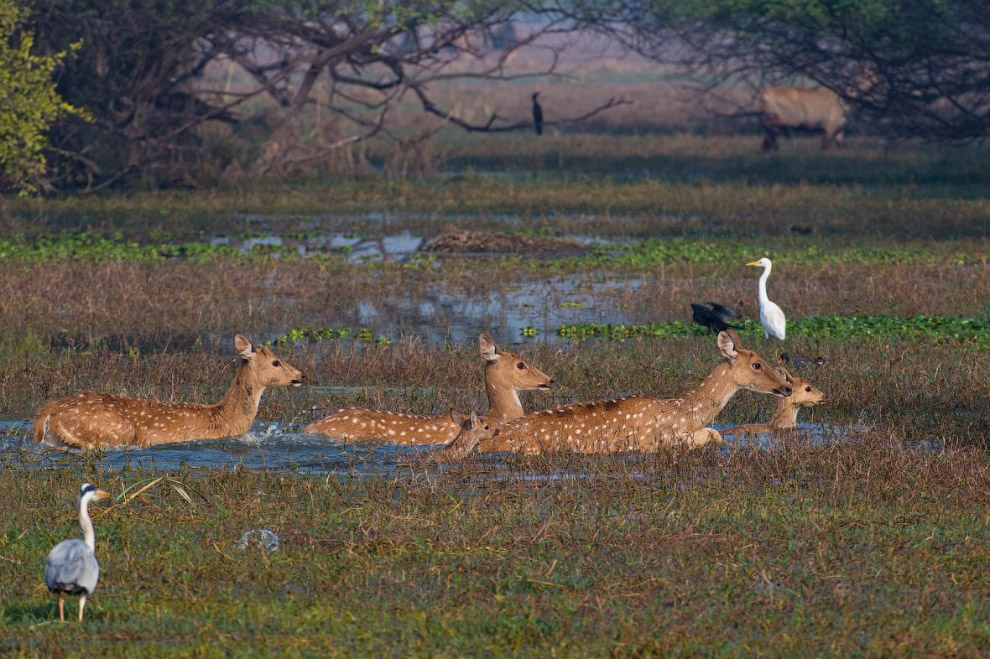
[(271, 448)]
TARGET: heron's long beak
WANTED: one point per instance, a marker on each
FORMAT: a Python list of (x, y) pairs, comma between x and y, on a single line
[(755, 263), (102, 494)]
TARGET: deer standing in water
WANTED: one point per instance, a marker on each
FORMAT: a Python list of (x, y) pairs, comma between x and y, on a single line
[(505, 376), (91, 419), (784, 417), (635, 423)]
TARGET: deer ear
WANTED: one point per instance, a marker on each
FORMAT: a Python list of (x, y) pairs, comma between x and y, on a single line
[(243, 346), (489, 351), (456, 417), (727, 345), (784, 374), (474, 422)]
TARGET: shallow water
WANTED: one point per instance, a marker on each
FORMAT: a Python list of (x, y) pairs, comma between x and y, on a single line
[(269, 447)]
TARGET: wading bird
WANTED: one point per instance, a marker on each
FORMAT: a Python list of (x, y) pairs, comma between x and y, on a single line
[(537, 115), (71, 568), (771, 317), (715, 316)]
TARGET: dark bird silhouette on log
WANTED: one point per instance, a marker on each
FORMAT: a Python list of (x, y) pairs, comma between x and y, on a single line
[(537, 115), (715, 316)]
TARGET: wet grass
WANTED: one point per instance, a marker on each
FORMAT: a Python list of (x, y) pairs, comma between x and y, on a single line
[(869, 547), (861, 549)]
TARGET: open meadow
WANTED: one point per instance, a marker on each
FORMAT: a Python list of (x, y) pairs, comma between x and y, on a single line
[(869, 535)]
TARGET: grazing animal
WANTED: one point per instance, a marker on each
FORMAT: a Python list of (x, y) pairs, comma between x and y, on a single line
[(505, 376), (801, 361), (783, 107), (715, 316), (91, 419), (537, 115), (71, 567), (635, 423), (771, 316), (784, 417)]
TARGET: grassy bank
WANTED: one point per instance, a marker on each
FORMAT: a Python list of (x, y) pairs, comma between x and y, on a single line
[(860, 549)]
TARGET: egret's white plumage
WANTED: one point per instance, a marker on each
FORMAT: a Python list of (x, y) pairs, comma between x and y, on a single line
[(771, 316), (71, 568)]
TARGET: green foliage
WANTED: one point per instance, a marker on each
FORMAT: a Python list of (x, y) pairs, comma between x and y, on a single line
[(831, 327), (362, 334), (29, 102)]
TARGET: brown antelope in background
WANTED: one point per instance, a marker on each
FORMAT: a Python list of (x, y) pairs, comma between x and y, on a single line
[(784, 417), (636, 423), (505, 376), (92, 419), (784, 107)]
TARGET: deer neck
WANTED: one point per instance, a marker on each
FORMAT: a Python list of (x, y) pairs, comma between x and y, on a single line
[(784, 415), (704, 402), (503, 402), (240, 405)]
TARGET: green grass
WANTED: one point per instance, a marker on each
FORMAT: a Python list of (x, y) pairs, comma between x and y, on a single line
[(863, 549), (866, 548)]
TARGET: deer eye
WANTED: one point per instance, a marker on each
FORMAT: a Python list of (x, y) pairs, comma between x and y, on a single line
[(808, 389), (757, 366), (521, 366), (276, 363)]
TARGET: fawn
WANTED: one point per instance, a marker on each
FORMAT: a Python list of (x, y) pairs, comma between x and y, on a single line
[(91, 419), (505, 376), (784, 417), (634, 423)]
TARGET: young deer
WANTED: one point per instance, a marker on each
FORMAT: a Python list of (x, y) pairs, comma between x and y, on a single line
[(473, 430), (784, 417), (505, 376), (636, 423), (91, 419)]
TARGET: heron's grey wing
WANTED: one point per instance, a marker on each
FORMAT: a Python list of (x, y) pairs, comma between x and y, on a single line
[(71, 567)]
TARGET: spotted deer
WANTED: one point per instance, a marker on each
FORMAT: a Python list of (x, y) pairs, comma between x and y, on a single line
[(472, 431), (505, 376), (91, 419), (635, 423), (784, 417)]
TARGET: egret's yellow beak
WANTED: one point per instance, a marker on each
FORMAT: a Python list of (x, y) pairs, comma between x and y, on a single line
[(102, 494), (756, 263)]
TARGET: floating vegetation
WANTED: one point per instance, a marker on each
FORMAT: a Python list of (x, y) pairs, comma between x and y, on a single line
[(661, 251), (362, 334), (822, 327)]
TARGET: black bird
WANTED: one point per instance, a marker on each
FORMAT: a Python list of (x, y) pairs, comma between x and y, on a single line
[(537, 115), (801, 360), (715, 318)]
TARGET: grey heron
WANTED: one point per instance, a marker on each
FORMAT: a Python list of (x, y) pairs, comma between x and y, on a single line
[(771, 317), (71, 568)]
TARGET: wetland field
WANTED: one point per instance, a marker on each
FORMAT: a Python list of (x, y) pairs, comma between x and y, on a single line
[(866, 534)]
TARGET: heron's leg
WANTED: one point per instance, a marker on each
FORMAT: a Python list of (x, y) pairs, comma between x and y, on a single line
[(61, 608), (82, 605)]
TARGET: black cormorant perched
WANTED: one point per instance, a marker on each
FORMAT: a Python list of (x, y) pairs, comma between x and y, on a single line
[(716, 318), (537, 115)]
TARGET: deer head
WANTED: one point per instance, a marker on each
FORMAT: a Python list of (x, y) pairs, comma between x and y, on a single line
[(803, 393), (265, 367), (505, 370), (748, 370)]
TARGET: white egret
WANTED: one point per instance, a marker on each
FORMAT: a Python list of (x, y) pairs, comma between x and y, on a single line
[(71, 568), (771, 317)]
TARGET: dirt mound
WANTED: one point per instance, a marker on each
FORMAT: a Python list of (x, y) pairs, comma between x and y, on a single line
[(456, 241)]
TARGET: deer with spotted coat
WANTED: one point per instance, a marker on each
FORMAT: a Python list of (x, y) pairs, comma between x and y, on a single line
[(784, 417), (634, 423), (505, 376), (91, 419)]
